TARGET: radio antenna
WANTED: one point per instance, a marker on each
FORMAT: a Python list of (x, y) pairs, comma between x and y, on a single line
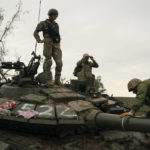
[(38, 21)]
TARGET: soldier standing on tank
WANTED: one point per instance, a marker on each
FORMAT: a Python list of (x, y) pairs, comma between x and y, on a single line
[(83, 70), (142, 91), (51, 42)]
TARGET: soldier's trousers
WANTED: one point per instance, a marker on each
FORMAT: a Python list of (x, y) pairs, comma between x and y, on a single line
[(90, 83), (52, 50), (88, 77)]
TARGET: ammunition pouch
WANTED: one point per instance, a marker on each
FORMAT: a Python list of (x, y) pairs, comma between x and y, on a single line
[(56, 39)]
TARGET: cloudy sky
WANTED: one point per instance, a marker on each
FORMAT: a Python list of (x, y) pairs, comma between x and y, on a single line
[(115, 32)]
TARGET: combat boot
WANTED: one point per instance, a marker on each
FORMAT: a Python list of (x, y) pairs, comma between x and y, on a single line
[(49, 83), (57, 80)]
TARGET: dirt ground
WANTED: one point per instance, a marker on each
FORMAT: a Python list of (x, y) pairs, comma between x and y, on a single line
[(104, 140)]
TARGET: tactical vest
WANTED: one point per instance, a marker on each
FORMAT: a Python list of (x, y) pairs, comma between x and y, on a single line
[(52, 30)]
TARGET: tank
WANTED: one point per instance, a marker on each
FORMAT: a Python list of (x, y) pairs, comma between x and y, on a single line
[(62, 110)]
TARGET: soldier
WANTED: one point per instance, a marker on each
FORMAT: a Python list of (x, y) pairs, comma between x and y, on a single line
[(142, 91), (51, 42), (83, 70)]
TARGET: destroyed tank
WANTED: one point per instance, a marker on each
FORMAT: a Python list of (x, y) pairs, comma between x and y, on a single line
[(27, 104), (55, 108)]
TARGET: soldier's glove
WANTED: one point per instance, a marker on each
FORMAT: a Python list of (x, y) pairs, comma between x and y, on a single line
[(41, 41), (131, 113)]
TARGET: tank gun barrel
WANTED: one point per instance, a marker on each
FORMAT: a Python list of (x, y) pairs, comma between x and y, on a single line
[(113, 121)]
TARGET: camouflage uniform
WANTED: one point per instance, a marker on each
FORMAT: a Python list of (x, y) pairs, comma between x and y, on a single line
[(143, 97), (86, 72), (51, 49)]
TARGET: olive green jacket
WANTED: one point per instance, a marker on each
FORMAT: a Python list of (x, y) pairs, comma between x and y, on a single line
[(143, 93), (84, 69)]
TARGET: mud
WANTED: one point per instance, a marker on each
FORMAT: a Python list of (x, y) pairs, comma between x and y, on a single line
[(104, 140)]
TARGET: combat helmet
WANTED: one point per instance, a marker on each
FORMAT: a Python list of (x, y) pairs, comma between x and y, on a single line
[(52, 12), (133, 83)]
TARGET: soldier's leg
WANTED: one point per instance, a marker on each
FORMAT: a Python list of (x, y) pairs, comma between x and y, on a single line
[(90, 82), (47, 52), (57, 56)]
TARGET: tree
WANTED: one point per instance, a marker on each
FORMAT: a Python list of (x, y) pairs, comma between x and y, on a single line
[(8, 28), (99, 85), (3, 35)]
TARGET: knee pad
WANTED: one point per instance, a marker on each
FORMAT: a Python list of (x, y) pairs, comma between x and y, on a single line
[(48, 61)]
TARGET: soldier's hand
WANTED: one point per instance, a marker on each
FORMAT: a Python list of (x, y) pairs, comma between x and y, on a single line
[(91, 57), (41, 41), (131, 113)]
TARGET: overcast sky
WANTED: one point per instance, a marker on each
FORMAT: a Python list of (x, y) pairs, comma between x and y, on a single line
[(115, 32)]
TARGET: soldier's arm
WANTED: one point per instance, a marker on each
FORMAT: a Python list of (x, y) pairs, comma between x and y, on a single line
[(140, 97), (94, 63), (39, 28)]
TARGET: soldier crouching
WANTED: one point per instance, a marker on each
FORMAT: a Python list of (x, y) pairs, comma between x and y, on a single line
[(142, 91)]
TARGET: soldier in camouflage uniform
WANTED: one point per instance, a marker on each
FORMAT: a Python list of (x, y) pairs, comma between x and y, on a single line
[(142, 91), (51, 42), (83, 70)]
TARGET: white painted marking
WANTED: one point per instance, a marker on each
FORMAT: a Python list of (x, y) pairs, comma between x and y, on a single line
[(47, 112)]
